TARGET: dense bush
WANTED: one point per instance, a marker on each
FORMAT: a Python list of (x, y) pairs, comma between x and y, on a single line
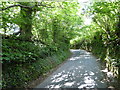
[(24, 62), (15, 51)]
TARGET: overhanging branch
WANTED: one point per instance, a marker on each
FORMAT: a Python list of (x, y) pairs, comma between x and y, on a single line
[(29, 7), (16, 6)]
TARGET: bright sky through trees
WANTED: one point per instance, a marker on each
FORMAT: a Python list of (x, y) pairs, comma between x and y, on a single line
[(84, 5)]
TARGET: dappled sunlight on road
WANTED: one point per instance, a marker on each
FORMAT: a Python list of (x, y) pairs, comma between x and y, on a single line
[(80, 71)]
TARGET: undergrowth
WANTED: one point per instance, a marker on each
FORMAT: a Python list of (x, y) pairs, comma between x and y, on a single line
[(24, 62)]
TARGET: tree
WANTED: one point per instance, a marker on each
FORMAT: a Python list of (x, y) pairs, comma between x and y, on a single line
[(106, 15), (26, 11)]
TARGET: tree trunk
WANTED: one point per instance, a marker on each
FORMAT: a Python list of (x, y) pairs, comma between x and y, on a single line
[(26, 23)]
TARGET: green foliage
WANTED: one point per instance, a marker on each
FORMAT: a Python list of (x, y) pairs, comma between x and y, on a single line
[(107, 17), (56, 25), (102, 36), (15, 51), (20, 75), (53, 30)]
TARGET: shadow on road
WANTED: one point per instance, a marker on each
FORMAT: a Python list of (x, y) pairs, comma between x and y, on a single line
[(81, 70)]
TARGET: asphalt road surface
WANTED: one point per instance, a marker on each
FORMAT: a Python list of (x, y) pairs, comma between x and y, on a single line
[(80, 71)]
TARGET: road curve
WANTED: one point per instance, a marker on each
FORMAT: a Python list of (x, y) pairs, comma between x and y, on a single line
[(80, 71)]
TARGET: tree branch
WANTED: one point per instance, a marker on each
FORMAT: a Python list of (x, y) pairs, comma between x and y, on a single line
[(29, 7), (16, 6)]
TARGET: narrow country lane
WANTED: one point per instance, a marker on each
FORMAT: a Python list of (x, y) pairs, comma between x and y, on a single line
[(79, 71)]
